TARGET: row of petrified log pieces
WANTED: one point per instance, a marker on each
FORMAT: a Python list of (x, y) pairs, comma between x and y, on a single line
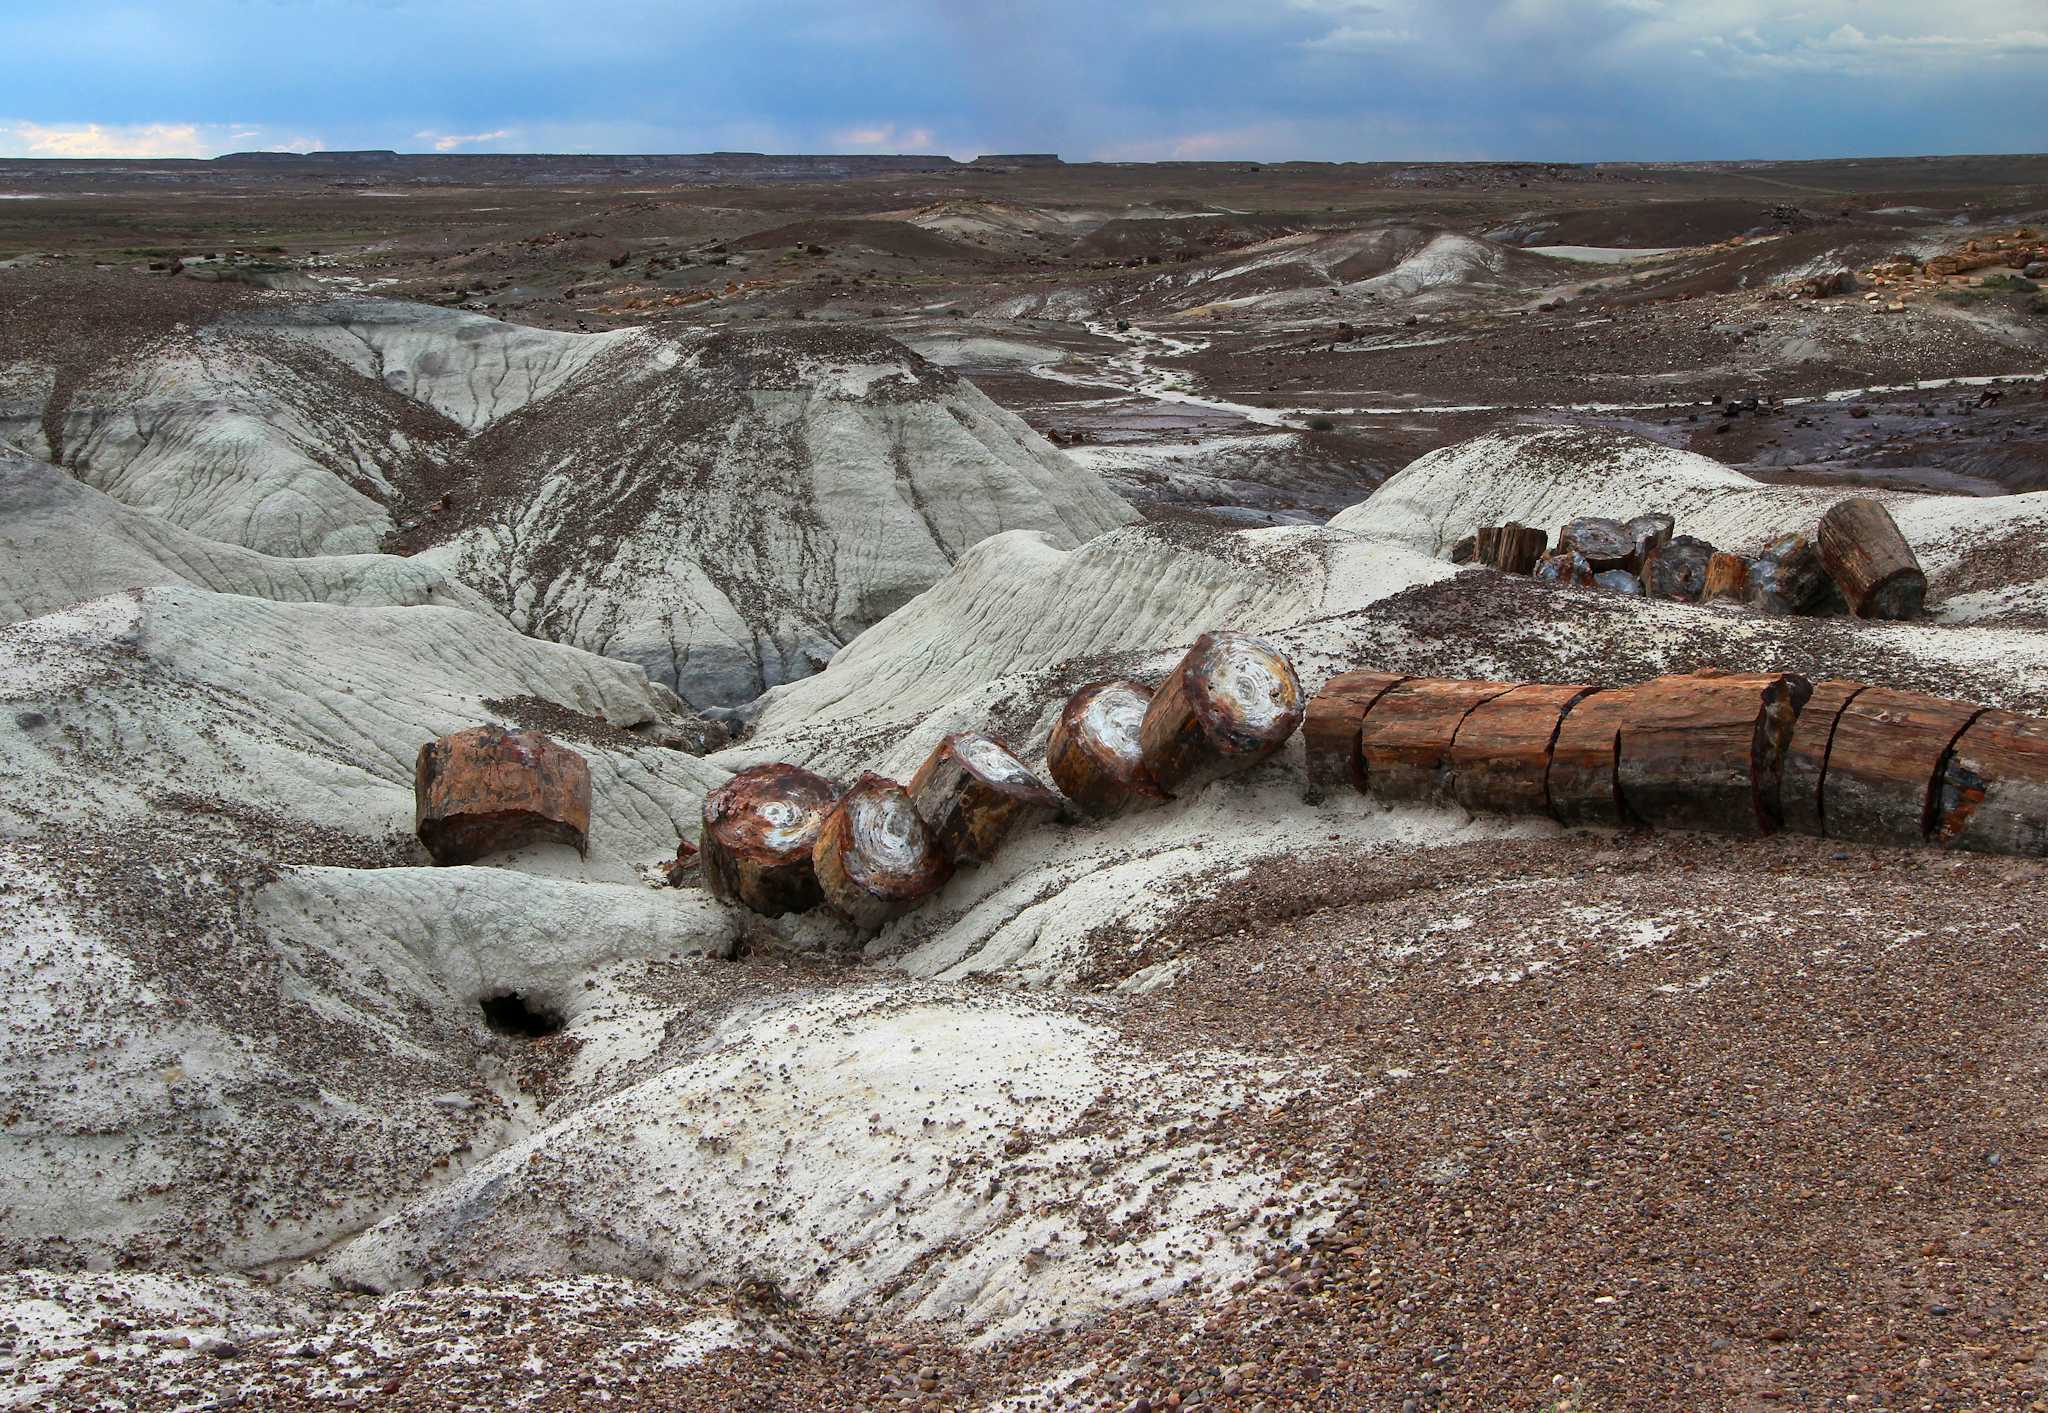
[(1731, 753)]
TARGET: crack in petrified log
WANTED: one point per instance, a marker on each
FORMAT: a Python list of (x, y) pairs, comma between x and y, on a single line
[(1331, 724), (1992, 795), (1499, 761), (759, 827), (1405, 743), (1707, 751)]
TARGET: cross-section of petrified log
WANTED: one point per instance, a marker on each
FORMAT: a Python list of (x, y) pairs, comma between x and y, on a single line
[(488, 789), (1651, 532), (971, 792), (1330, 729), (1581, 783), (1231, 701), (1788, 577), (1806, 758), (1405, 743), (1707, 751), (1678, 570), (1993, 795), (1604, 543), (1884, 763), (874, 857), (1095, 756), (1870, 561), (1727, 578), (1500, 758), (759, 827)]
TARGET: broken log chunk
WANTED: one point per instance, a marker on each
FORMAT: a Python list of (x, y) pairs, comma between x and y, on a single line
[(1231, 701), (1331, 725), (1885, 762), (489, 789), (1727, 578), (1567, 567), (1581, 783), (1707, 751), (1466, 550), (1619, 581), (759, 826), (1678, 571), (1788, 577), (1516, 548), (1806, 758), (1650, 532), (1606, 544), (874, 857), (1993, 795), (1094, 755), (971, 792), (1870, 561), (1486, 545), (1405, 742), (1500, 758)]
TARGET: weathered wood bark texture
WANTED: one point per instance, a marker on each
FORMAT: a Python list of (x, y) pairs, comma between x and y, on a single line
[(1993, 796), (1512, 548), (874, 857), (1405, 743), (1870, 560), (1330, 729), (1500, 758), (1806, 758), (1788, 577), (1094, 755), (1581, 783), (1708, 751), (1727, 578), (1884, 764), (488, 789), (1231, 701), (759, 827), (1678, 570), (972, 791)]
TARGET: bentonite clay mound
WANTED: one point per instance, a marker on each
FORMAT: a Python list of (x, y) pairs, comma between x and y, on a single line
[(1231, 701), (874, 857), (759, 827), (487, 790), (1094, 755)]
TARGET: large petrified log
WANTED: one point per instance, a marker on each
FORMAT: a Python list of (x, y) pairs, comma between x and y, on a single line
[(1806, 758), (1788, 577), (1500, 758), (759, 827), (1330, 728), (1993, 795), (1884, 762), (1707, 750), (972, 791), (1405, 742), (1870, 561), (1604, 543), (1581, 783), (1678, 570), (1231, 701), (488, 788), (874, 857), (1095, 756), (1511, 548)]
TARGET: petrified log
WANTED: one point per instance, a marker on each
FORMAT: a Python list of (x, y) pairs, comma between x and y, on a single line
[(1650, 532), (1330, 728), (874, 857), (971, 792), (1870, 561), (1405, 742), (1806, 758), (1788, 577), (1993, 796), (1619, 581), (759, 826), (1516, 548), (1500, 758), (487, 789), (1094, 755), (1605, 543), (1678, 570), (1466, 550), (1581, 783), (1885, 762), (1485, 544), (1231, 701), (1707, 751), (1727, 578), (1566, 567)]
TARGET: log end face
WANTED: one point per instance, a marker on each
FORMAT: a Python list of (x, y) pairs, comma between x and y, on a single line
[(1245, 692), (1096, 756)]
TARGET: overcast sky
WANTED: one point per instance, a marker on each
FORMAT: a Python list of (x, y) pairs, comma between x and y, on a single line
[(1263, 79)]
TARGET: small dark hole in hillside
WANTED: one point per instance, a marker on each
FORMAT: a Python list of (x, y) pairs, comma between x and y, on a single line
[(509, 1014)]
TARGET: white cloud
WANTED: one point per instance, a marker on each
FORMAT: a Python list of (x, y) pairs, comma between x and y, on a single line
[(886, 136), (1361, 39), (449, 141), (142, 141)]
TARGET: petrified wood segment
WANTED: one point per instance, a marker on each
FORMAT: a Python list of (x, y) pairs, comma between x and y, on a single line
[(971, 792), (1727, 578), (1230, 702), (1513, 548), (1806, 758), (1500, 758), (1603, 543), (1870, 560), (1884, 764), (1095, 756), (1405, 743), (874, 857), (1993, 795), (1788, 577), (1651, 532), (488, 789), (1581, 783), (759, 827), (1330, 728), (1707, 751), (1568, 567), (1678, 571)]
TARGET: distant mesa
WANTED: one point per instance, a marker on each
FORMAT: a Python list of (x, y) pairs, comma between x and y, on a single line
[(1017, 159), (368, 154)]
